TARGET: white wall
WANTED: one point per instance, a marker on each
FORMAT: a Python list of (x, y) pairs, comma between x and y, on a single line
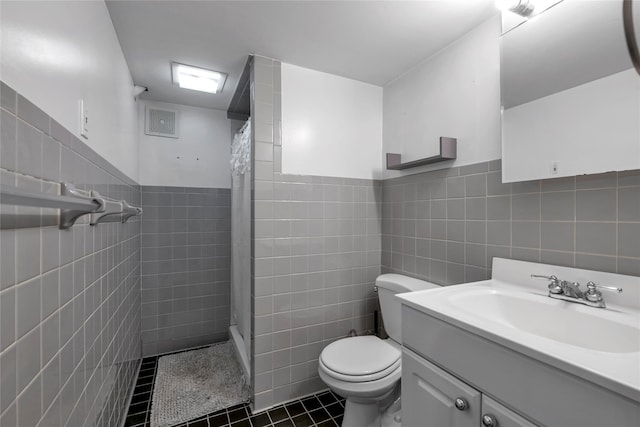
[(591, 128), (455, 93), (56, 53), (331, 125), (199, 158)]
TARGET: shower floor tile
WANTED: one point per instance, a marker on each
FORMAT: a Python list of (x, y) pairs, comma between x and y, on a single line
[(324, 409)]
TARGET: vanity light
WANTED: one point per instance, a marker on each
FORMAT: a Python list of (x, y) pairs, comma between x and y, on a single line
[(520, 7), (195, 78)]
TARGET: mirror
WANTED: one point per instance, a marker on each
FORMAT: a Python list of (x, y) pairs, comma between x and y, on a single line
[(570, 94)]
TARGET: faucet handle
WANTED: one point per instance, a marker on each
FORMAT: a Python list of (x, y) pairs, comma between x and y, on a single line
[(554, 282), (591, 288), (594, 295)]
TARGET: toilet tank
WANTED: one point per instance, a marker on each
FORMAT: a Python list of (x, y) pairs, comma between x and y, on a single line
[(388, 285)]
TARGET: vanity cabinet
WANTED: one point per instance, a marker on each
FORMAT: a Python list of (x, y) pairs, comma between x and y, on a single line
[(443, 361), (432, 397)]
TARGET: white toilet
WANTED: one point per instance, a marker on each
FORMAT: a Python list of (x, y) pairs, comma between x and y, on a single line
[(366, 370)]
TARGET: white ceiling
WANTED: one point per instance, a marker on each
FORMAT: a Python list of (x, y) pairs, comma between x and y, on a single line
[(370, 41)]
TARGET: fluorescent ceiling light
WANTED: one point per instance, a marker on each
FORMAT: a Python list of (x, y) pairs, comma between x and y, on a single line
[(194, 78)]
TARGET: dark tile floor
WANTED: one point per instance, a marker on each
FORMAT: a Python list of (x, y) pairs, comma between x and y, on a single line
[(321, 410)]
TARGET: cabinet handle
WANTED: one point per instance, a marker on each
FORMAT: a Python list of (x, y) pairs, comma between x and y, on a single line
[(489, 420), (461, 404)]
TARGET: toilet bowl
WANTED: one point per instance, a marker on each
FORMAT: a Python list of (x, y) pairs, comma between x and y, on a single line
[(348, 368), (366, 370)]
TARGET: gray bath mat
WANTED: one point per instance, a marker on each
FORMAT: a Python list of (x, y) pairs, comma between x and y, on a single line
[(195, 383)]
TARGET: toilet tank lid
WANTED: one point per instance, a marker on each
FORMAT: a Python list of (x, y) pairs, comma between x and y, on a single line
[(399, 283)]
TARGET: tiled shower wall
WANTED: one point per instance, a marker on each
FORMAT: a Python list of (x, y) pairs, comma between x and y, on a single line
[(185, 267), (447, 225), (316, 254), (69, 299)]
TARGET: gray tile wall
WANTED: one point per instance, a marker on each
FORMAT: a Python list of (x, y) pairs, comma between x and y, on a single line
[(185, 267), (446, 226), (69, 299), (316, 253)]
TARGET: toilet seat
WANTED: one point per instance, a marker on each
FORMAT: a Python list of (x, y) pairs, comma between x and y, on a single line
[(359, 359)]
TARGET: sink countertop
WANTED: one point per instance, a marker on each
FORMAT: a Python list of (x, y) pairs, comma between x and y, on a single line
[(617, 370)]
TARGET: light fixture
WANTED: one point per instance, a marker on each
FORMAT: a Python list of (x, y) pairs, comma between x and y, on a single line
[(195, 78), (521, 7)]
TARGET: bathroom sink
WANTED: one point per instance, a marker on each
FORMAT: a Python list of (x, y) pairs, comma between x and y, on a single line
[(548, 318), (512, 310), (598, 344)]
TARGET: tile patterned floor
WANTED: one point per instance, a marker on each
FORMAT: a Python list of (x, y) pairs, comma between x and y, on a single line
[(321, 410)]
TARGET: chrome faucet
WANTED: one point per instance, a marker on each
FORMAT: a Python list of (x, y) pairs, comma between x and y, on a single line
[(570, 291)]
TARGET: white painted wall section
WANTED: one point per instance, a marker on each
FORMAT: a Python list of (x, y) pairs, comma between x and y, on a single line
[(57, 53), (455, 93), (200, 157), (591, 128), (331, 125)]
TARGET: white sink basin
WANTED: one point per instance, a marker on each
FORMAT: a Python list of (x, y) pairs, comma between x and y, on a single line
[(601, 345), (548, 318)]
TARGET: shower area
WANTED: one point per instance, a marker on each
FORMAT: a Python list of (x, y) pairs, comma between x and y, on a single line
[(196, 264), (196, 234)]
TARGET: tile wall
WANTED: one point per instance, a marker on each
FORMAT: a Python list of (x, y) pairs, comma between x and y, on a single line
[(185, 267), (316, 254), (446, 226), (69, 299)]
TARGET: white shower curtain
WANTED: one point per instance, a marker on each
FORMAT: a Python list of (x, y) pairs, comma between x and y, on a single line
[(241, 233)]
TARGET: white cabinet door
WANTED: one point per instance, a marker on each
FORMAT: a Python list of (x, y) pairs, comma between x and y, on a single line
[(429, 396), (496, 415)]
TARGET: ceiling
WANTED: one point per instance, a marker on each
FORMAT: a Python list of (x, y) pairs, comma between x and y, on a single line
[(369, 41)]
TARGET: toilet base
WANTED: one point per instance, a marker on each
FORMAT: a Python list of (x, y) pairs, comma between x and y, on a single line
[(382, 412), (361, 414), (368, 415), (392, 417)]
